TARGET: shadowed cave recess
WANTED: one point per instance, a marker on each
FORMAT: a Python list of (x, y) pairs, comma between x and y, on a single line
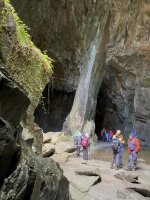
[(51, 113)]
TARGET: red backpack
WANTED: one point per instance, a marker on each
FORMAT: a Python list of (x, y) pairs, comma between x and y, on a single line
[(84, 141)]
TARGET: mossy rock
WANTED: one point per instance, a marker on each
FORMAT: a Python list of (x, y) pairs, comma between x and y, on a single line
[(25, 63), (146, 83)]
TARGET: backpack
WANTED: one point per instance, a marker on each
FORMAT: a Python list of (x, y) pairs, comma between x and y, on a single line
[(78, 140), (84, 142), (131, 145), (115, 144)]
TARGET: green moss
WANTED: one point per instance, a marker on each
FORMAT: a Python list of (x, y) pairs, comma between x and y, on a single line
[(6, 1), (24, 39), (24, 62), (146, 83)]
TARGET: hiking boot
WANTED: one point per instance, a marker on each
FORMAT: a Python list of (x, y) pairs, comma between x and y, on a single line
[(120, 166), (116, 168), (128, 169), (133, 169)]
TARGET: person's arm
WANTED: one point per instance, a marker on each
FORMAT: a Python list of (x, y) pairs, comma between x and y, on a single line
[(122, 140), (137, 145), (129, 151)]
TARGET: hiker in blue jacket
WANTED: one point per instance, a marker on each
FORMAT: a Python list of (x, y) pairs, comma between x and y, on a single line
[(116, 150), (78, 141)]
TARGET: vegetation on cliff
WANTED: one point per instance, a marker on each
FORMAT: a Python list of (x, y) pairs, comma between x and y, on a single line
[(24, 62)]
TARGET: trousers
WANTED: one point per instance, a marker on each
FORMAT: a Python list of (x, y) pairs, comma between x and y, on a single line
[(132, 160)]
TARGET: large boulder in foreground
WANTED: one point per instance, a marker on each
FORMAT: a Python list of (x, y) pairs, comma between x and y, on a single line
[(9, 149), (68, 147), (45, 181)]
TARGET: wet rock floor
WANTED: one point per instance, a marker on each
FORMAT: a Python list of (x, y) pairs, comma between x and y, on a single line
[(109, 188)]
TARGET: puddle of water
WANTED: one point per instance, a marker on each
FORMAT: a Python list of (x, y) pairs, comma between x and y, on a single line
[(103, 151)]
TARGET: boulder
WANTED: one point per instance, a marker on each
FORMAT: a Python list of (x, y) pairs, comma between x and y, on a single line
[(51, 137), (48, 149), (89, 172), (75, 193), (84, 183), (55, 137), (47, 137), (65, 147), (60, 158), (132, 178)]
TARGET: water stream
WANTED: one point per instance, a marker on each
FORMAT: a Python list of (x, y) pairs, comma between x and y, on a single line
[(103, 151)]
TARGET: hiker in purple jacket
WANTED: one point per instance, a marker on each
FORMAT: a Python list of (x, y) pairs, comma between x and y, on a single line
[(85, 144), (78, 141)]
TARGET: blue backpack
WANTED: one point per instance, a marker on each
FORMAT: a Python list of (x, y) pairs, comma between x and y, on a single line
[(115, 145), (131, 145), (78, 140)]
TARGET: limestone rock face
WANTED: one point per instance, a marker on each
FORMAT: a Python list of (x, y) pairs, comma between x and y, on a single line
[(126, 83), (79, 37), (44, 182), (9, 149), (24, 72), (65, 29)]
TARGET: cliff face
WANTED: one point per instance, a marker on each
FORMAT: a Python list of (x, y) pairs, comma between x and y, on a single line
[(126, 83), (66, 29), (24, 72), (96, 42)]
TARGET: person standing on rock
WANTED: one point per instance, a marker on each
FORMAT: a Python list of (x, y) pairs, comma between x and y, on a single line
[(116, 149), (78, 141), (103, 132), (122, 142), (85, 144), (133, 149), (111, 133)]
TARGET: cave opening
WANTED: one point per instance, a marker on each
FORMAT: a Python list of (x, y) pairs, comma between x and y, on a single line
[(53, 109), (105, 111), (100, 113)]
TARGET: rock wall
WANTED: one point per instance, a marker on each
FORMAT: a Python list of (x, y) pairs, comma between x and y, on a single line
[(24, 72), (66, 30), (126, 82), (79, 40)]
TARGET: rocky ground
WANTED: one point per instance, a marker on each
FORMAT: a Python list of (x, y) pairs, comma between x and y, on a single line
[(109, 187), (95, 180)]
